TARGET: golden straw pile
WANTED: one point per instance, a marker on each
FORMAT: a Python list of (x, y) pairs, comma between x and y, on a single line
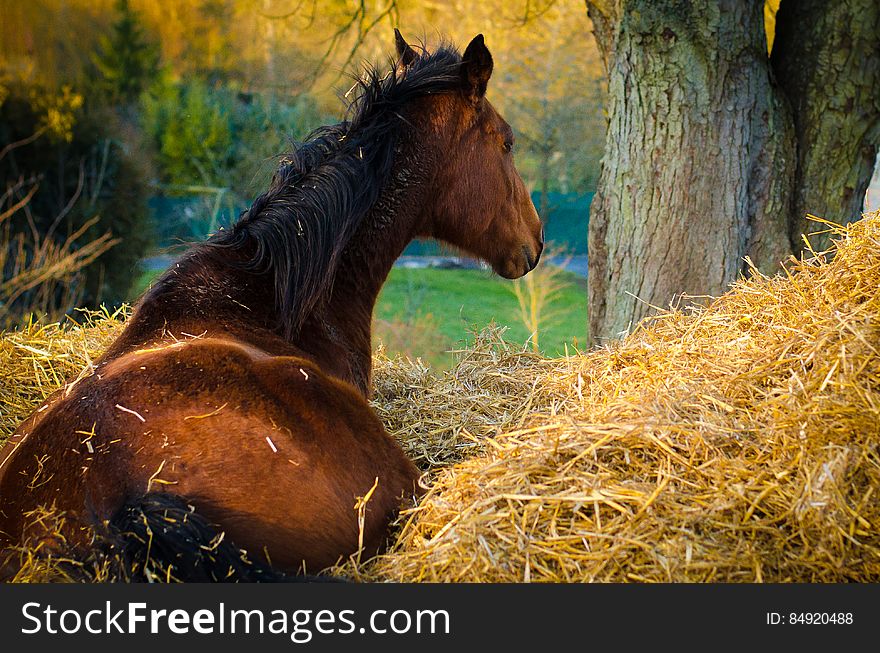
[(38, 358), (735, 443)]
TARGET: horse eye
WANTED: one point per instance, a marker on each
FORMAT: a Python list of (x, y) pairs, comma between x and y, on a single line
[(508, 145)]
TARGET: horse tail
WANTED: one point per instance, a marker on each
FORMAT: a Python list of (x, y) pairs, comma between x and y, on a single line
[(160, 537)]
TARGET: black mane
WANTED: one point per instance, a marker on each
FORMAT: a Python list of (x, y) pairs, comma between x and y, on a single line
[(296, 230)]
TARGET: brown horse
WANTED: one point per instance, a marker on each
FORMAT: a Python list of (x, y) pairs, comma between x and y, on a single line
[(233, 406)]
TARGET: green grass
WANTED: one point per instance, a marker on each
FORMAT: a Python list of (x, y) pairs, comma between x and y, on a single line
[(427, 312), (458, 302)]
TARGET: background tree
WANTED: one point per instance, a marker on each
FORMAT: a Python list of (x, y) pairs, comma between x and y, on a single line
[(716, 151), (126, 60), (551, 91)]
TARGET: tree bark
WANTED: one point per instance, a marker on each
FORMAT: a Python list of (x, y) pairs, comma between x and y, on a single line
[(699, 157), (826, 56)]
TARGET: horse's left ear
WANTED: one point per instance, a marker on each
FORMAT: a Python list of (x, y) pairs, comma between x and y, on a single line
[(405, 54), (476, 69)]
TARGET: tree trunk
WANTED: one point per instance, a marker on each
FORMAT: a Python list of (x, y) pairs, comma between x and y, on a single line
[(708, 159), (699, 156), (826, 56)]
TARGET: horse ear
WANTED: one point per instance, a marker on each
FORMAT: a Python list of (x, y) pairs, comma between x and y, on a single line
[(476, 69), (405, 54)]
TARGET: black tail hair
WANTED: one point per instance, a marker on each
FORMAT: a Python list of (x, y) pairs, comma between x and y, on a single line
[(159, 537)]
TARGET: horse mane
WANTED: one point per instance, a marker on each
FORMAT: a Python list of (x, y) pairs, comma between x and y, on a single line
[(297, 230)]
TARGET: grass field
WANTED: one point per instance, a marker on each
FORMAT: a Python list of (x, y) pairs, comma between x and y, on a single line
[(439, 310), (426, 313)]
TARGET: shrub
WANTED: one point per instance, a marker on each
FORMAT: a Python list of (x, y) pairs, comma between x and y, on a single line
[(81, 179), (221, 137)]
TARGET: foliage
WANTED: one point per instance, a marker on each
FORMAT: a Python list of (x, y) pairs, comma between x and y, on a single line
[(191, 127), (73, 166), (548, 75), (41, 274), (554, 96), (221, 137), (57, 112), (126, 60)]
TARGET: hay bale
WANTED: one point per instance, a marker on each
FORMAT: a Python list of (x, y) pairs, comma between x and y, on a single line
[(444, 419), (738, 442), (734, 443), (36, 359)]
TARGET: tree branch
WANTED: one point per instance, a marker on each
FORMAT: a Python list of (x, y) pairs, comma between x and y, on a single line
[(24, 141), (363, 29)]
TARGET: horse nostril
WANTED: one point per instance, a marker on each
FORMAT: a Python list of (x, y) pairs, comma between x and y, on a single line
[(530, 261)]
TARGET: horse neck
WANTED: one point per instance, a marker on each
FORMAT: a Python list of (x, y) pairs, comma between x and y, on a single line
[(337, 336), (387, 229), (391, 224)]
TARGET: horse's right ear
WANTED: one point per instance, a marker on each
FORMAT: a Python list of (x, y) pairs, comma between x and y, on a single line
[(405, 54), (476, 69)]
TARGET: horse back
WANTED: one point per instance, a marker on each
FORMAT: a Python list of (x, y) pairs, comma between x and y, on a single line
[(270, 448)]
